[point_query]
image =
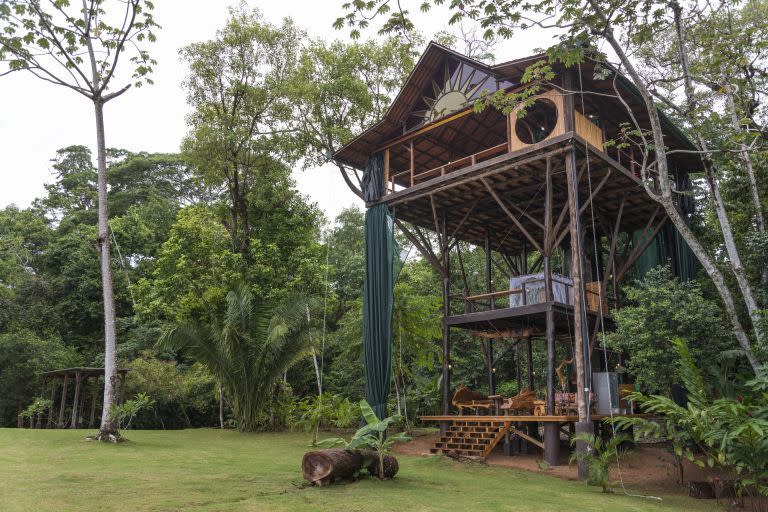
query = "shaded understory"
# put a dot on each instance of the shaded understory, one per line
(222, 471)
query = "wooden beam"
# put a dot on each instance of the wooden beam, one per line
(595, 192)
(440, 240)
(563, 214)
(509, 214)
(528, 438)
(60, 423)
(386, 172)
(413, 159)
(424, 252)
(548, 209)
(508, 333)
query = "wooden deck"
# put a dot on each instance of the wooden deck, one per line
(526, 418)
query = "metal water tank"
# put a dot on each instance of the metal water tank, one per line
(606, 388)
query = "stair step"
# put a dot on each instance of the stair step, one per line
(465, 453)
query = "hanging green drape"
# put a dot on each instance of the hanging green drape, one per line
(659, 252)
(381, 267)
(378, 300)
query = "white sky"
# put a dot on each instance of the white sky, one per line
(37, 118)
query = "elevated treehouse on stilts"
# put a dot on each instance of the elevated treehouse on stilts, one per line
(523, 188)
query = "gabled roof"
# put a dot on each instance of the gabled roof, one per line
(356, 151)
(393, 124)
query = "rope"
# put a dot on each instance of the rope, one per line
(600, 302)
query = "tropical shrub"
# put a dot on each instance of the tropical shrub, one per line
(123, 414)
(38, 407)
(729, 433)
(373, 435)
(658, 309)
(599, 456)
(248, 350)
(325, 411)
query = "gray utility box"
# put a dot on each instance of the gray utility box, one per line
(606, 388)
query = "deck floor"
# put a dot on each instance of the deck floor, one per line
(526, 418)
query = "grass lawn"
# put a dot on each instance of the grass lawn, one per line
(57, 470)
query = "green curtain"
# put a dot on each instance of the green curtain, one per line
(381, 267)
(659, 252)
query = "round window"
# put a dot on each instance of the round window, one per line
(539, 121)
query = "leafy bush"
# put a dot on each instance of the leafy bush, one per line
(184, 395)
(659, 309)
(598, 457)
(325, 411)
(38, 407)
(730, 433)
(122, 415)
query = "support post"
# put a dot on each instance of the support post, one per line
(76, 400)
(581, 342)
(94, 397)
(551, 430)
(54, 381)
(60, 423)
(446, 314)
(489, 289)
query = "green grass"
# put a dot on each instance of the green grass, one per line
(194, 470)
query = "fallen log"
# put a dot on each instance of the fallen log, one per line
(322, 467)
(391, 466)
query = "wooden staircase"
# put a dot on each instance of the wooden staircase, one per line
(471, 438)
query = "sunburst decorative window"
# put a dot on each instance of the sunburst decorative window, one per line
(454, 91)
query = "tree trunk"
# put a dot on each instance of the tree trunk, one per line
(665, 197)
(325, 466)
(108, 295)
(221, 408)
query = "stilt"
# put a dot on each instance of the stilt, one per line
(489, 289)
(54, 384)
(60, 423)
(94, 397)
(76, 400)
(446, 329)
(551, 430)
(581, 351)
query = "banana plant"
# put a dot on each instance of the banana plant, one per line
(372, 435)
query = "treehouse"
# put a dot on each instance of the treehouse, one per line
(559, 208)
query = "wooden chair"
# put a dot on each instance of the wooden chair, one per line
(522, 403)
(465, 398)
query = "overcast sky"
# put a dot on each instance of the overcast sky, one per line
(37, 118)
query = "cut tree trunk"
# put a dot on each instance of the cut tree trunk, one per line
(323, 467)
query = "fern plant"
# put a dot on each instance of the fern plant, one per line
(599, 456)
(730, 433)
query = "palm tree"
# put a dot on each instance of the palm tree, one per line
(248, 350)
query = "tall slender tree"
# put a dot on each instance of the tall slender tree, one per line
(239, 125)
(78, 46)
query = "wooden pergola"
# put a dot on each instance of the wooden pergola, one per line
(84, 380)
(520, 187)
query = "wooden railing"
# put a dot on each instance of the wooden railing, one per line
(469, 160)
(591, 291)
